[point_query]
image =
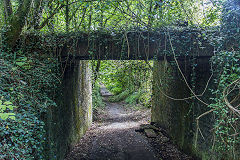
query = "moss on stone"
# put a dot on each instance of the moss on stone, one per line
(178, 117)
(73, 116)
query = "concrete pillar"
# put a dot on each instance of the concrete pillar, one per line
(167, 110)
(178, 117)
(75, 112)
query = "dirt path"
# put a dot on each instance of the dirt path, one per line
(113, 137)
(118, 140)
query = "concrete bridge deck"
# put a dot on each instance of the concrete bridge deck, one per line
(137, 45)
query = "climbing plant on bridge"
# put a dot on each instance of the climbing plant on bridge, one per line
(70, 15)
(29, 77)
(226, 68)
(226, 106)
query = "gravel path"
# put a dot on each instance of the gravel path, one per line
(113, 137)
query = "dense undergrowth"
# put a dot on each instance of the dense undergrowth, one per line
(226, 102)
(129, 81)
(97, 100)
(29, 80)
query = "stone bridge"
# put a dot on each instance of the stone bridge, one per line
(181, 61)
(137, 45)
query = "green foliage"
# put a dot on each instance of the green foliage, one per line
(115, 89)
(127, 80)
(145, 98)
(112, 76)
(227, 67)
(27, 81)
(120, 97)
(6, 109)
(29, 77)
(64, 16)
(23, 63)
(140, 97)
(230, 25)
(96, 98)
(95, 15)
(133, 98)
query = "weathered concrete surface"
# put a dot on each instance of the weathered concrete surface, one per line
(137, 45)
(177, 113)
(74, 115)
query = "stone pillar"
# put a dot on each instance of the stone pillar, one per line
(178, 117)
(75, 112)
(167, 110)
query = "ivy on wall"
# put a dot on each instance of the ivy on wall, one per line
(29, 79)
(226, 101)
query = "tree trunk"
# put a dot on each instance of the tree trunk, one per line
(7, 9)
(16, 22)
(37, 13)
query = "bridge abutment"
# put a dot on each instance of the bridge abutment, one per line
(175, 108)
(75, 114)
